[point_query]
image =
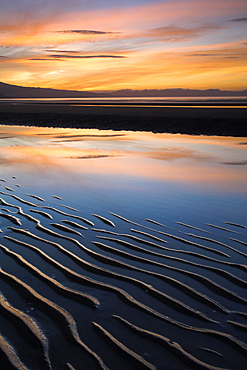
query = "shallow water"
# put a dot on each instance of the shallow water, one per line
(166, 255)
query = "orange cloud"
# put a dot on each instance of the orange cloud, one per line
(223, 68)
(175, 33)
(160, 45)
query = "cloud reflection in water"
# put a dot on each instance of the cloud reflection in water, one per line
(161, 157)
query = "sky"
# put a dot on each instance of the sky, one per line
(109, 45)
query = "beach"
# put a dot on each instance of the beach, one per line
(120, 249)
(184, 118)
(123, 197)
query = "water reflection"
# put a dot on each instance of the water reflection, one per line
(212, 161)
(189, 273)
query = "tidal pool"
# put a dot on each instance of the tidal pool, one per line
(126, 249)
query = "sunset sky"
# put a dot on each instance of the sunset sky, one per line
(124, 44)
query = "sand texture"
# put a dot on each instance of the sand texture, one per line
(221, 121)
(104, 298)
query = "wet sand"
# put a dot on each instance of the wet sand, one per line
(183, 301)
(195, 120)
(122, 270)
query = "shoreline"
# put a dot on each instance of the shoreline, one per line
(215, 121)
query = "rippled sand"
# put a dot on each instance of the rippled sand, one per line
(79, 293)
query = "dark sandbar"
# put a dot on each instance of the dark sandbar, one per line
(212, 120)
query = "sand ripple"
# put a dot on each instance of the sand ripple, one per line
(142, 298)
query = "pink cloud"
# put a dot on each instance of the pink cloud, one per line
(165, 13)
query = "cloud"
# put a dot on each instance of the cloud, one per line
(87, 136)
(235, 163)
(87, 37)
(207, 54)
(63, 57)
(88, 32)
(175, 33)
(222, 51)
(92, 156)
(176, 153)
(214, 55)
(72, 138)
(62, 51)
(44, 59)
(57, 56)
(244, 19)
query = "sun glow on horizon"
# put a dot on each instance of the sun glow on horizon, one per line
(131, 45)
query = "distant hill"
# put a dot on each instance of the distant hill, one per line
(13, 91)
(177, 93)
